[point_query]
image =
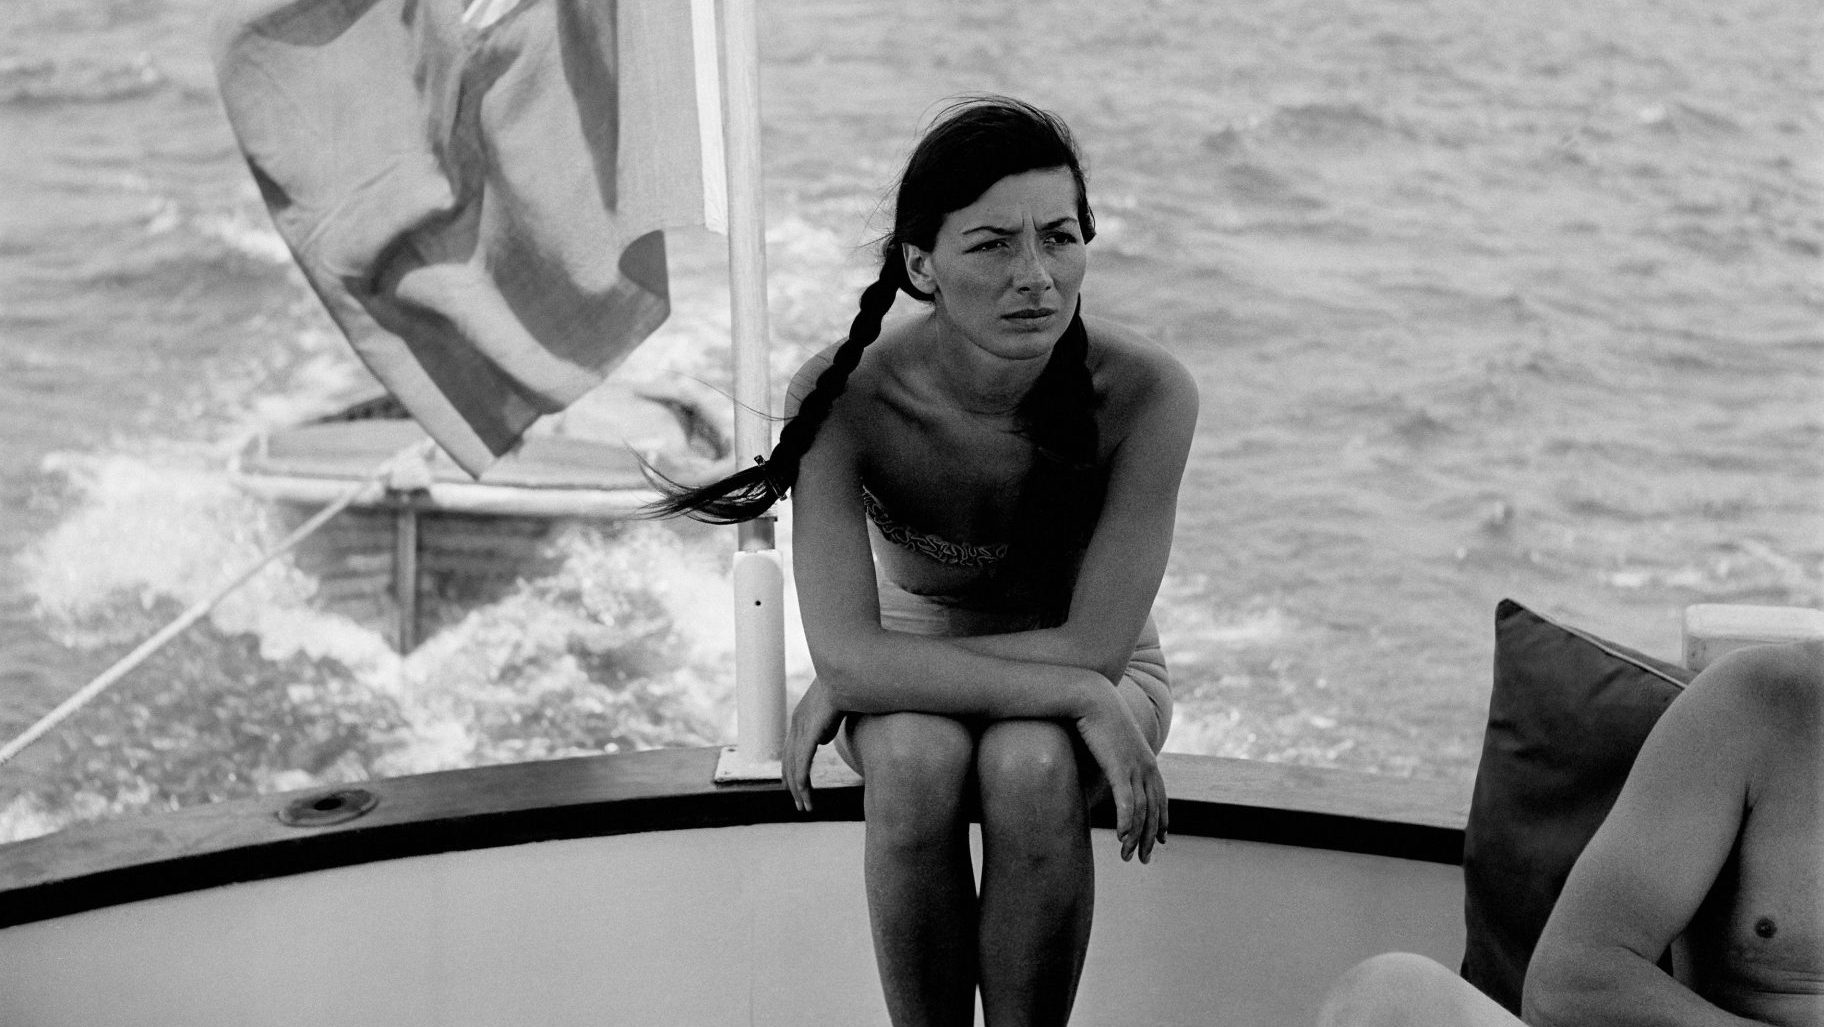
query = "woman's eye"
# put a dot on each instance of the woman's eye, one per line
(1050, 239)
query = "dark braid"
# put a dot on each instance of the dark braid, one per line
(750, 492)
(796, 437)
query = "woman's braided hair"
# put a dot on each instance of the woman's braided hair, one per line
(973, 144)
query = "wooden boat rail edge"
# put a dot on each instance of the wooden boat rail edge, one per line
(548, 502)
(91, 866)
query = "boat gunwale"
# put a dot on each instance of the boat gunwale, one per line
(134, 858)
(532, 501)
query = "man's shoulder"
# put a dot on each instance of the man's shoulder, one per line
(1756, 697)
(1779, 684)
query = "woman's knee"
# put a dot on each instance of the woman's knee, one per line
(1394, 988)
(1030, 775)
(914, 766)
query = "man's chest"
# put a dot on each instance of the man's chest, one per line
(1762, 928)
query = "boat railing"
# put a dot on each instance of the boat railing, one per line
(1711, 630)
(659, 877)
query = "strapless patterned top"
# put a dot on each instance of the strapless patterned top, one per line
(944, 551)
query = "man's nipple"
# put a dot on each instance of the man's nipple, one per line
(1765, 927)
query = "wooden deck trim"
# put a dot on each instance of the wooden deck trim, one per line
(91, 866)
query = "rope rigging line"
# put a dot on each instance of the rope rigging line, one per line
(417, 450)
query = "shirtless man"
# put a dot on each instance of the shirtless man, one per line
(1717, 836)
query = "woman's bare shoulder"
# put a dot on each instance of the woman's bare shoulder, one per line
(868, 382)
(805, 378)
(1131, 368)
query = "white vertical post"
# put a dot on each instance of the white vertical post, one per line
(405, 570)
(759, 579)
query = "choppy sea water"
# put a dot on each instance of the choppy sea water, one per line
(1485, 300)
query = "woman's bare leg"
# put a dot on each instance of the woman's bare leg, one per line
(920, 883)
(1038, 874)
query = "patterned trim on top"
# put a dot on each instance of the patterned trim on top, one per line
(944, 551)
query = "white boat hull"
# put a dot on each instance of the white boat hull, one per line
(667, 922)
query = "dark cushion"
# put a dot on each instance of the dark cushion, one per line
(1568, 714)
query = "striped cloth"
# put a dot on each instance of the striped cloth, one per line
(477, 200)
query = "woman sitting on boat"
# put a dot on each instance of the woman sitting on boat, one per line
(983, 505)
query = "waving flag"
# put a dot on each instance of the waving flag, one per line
(477, 196)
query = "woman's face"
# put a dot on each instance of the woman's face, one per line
(1005, 270)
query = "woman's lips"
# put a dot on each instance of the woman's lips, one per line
(1034, 318)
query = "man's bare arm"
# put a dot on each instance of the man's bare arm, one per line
(1651, 864)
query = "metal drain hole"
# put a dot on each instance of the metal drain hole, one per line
(326, 808)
